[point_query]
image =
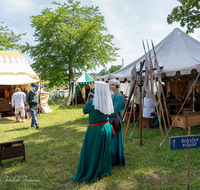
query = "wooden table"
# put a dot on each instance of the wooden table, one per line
(185, 121)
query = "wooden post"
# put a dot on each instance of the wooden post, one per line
(132, 107)
(176, 94)
(72, 100)
(166, 110)
(188, 160)
(140, 116)
(76, 98)
(140, 85)
(133, 102)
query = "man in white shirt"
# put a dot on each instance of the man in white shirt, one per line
(18, 101)
(149, 110)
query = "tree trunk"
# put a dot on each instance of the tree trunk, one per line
(70, 74)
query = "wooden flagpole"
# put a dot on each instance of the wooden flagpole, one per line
(152, 87)
(161, 90)
(132, 107)
(159, 118)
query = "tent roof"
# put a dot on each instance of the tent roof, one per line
(16, 79)
(14, 65)
(85, 77)
(176, 52)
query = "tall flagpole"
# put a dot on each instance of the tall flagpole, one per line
(166, 110)
(159, 118)
(159, 92)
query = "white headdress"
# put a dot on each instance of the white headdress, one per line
(102, 98)
(114, 81)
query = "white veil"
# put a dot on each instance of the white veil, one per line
(102, 98)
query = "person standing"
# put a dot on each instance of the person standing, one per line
(32, 101)
(117, 144)
(18, 101)
(95, 157)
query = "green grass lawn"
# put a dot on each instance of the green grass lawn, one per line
(52, 154)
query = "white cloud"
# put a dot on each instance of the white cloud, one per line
(120, 18)
(17, 6)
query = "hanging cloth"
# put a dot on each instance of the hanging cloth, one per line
(102, 98)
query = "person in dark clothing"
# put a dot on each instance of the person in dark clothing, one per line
(32, 101)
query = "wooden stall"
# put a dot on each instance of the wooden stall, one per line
(5, 105)
(185, 121)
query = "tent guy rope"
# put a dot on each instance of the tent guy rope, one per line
(193, 85)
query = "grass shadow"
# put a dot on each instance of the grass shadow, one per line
(19, 129)
(50, 151)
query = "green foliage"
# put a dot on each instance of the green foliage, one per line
(114, 68)
(69, 37)
(52, 155)
(94, 74)
(187, 14)
(103, 72)
(8, 39)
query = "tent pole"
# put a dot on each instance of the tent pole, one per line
(76, 98)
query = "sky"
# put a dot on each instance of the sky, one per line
(129, 21)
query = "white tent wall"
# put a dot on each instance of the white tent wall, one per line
(124, 87)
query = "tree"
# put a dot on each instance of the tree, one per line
(187, 14)
(103, 72)
(114, 68)
(8, 39)
(69, 38)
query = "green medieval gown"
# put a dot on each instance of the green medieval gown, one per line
(117, 144)
(95, 157)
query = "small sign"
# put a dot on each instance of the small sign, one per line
(182, 142)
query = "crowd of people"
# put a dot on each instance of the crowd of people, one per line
(103, 145)
(30, 101)
(100, 152)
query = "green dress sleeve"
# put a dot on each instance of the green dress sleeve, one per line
(88, 107)
(118, 104)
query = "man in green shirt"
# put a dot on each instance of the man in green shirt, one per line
(32, 101)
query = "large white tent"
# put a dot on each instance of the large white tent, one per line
(14, 69)
(176, 52)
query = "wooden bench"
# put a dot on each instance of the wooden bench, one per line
(185, 121)
(147, 122)
(12, 150)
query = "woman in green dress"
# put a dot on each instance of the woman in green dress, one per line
(117, 144)
(95, 157)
